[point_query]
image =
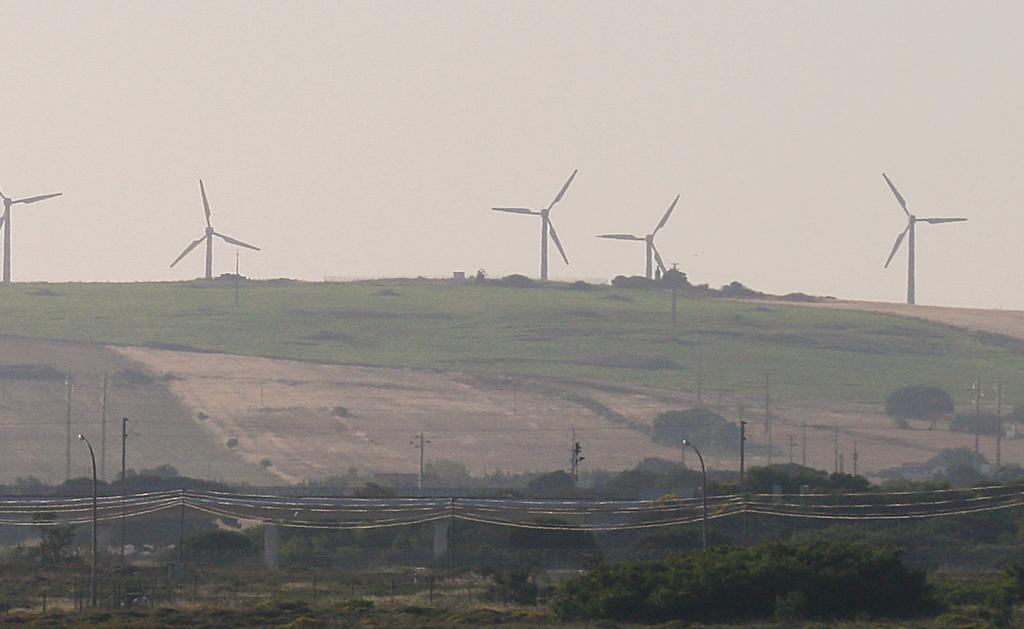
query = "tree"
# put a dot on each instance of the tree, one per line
(918, 402)
(706, 428)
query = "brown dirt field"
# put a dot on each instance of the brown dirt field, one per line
(489, 422)
(33, 416)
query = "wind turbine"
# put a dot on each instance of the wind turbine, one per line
(546, 226)
(5, 222)
(652, 251)
(909, 229)
(208, 237)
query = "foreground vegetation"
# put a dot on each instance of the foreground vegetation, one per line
(598, 333)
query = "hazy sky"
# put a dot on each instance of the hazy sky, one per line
(370, 139)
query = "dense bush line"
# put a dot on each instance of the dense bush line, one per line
(812, 580)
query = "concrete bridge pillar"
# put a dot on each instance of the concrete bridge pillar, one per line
(271, 541)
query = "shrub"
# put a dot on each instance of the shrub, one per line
(707, 429)
(814, 580)
(918, 402)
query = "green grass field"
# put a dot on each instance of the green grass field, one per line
(608, 335)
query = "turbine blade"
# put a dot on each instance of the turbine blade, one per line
(558, 243)
(514, 210)
(206, 204)
(41, 197)
(234, 241)
(936, 221)
(899, 239)
(899, 197)
(657, 258)
(3, 219)
(561, 192)
(664, 219)
(187, 250)
(621, 237)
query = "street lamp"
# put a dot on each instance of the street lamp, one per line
(92, 567)
(703, 493)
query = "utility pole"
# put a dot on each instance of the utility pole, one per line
(67, 436)
(743, 475)
(855, 458)
(576, 452)
(422, 448)
(768, 412)
(803, 455)
(743, 443)
(103, 431)
(791, 444)
(999, 422)
(977, 413)
(124, 479)
(835, 446)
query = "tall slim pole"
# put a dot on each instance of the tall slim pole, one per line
(67, 432)
(792, 443)
(649, 272)
(910, 263)
(768, 412)
(7, 242)
(999, 422)
(420, 443)
(103, 431)
(977, 413)
(543, 244)
(856, 458)
(743, 446)
(803, 455)
(92, 565)
(209, 255)
(743, 474)
(124, 479)
(572, 456)
(704, 495)
(835, 447)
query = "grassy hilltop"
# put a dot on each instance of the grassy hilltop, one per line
(603, 334)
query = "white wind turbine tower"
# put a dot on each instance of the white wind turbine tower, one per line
(208, 237)
(545, 228)
(909, 230)
(652, 251)
(5, 222)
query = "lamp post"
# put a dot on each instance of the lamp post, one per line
(703, 493)
(92, 567)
